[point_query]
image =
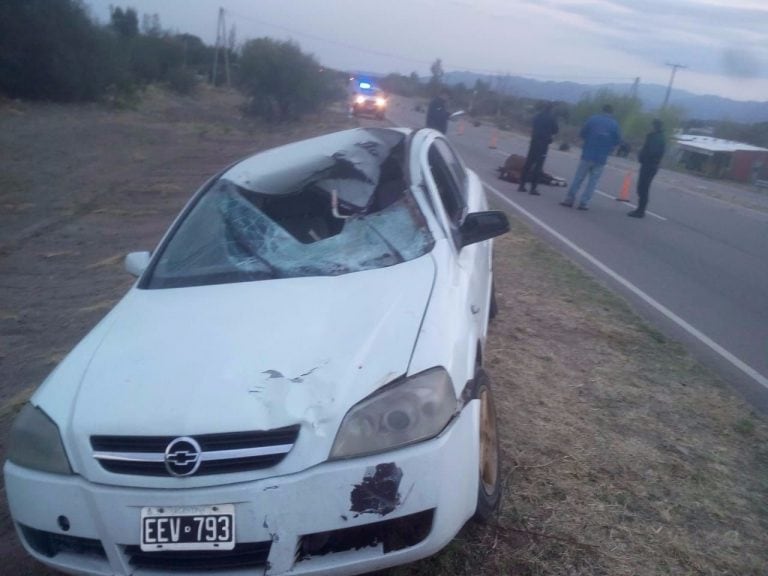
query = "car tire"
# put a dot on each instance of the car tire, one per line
(493, 308)
(489, 484)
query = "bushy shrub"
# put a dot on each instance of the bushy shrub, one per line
(182, 81)
(49, 49)
(283, 82)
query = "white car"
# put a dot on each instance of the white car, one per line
(293, 386)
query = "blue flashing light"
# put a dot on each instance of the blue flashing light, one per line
(365, 85)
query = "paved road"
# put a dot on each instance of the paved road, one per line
(697, 267)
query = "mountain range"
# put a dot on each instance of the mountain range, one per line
(696, 106)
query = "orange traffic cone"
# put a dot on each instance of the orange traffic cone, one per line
(624, 194)
(494, 139)
(461, 127)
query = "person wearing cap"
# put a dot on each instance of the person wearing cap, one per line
(601, 135)
(650, 157)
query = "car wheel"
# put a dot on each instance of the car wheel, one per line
(489, 486)
(493, 308)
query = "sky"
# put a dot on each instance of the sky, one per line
(722, 44)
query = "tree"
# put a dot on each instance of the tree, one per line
(283, 82)
(436, 81)
(399, 84)
(50, 49)
(150, 25)
(125, 22)
(634, 122)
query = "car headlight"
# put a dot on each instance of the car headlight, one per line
(35, 443)
(407, 411)
(380, 102)
(360, 99)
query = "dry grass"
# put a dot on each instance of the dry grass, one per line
(622, 456)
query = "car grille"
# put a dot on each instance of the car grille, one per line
(244, 555)
(219, 453)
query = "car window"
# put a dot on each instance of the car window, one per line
(448, 187)
(455, 165)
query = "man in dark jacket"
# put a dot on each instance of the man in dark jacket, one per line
(437, 113)
(650, 158)
(544, 128)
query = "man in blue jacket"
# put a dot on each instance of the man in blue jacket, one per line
(601, 135)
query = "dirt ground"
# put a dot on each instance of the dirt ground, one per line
(621, 455)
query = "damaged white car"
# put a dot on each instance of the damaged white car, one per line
(293, 386)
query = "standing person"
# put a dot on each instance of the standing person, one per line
(650, 157)
(544, 128)
(437, 113)
(601, 135)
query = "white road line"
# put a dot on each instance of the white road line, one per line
(701, 337)
(630, 204)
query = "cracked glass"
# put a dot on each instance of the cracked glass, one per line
(346, 209)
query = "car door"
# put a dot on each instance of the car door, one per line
(453, 189)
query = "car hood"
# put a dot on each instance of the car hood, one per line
(247, 356)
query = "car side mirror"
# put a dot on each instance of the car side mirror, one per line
(480, 226)
(457, 114)
(136, 263)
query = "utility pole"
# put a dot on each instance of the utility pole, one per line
(221, 44)
(635, 87)
(671, 81)
(501, 87)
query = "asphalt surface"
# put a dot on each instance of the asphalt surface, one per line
(696, 267)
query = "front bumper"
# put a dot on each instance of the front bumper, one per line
(311, 522)
(369, 108)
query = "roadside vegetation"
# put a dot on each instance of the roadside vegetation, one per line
(53, 50)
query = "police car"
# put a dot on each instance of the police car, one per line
(368, 100)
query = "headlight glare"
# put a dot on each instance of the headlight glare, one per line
(360, 99)
(410, 410)
(35, 443)
(380, 102)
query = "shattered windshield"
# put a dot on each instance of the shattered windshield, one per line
(346, 210)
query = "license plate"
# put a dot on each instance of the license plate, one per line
(188, 528)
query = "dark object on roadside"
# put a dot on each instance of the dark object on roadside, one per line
(437, 113)
(564, 147)
(476, 123)
(418, 108)
(623, 149)
(513, 167)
